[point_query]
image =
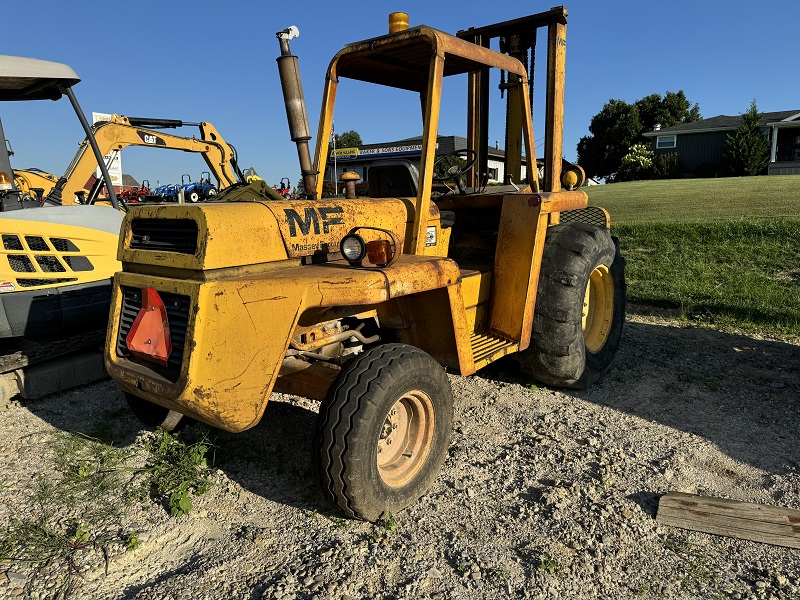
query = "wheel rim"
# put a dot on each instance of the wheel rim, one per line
(598, 308)
(405, 438)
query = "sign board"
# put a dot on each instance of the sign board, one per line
(411, 148)
(345, 152)
(113, 159)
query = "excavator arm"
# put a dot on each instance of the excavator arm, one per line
(121, 132)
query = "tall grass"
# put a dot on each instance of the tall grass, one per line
(744, 274)
(721, 251)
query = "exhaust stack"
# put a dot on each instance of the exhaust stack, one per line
(295, 104)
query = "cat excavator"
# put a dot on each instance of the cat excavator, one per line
(120, 132)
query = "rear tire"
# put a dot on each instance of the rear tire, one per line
(383, 431)
(580, 307)
(211, 192)
(154, 415)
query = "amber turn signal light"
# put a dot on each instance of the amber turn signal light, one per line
(380, 252)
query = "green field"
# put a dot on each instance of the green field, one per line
(724, 252)
(691, 200)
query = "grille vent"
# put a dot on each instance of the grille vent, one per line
(36, 243)
(21, 263)
(49, 264)
(11, 242)
(164, 235)
(40, 282)
(64, 245)
(44, 255)
(591, 215)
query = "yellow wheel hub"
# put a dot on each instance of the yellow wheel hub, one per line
(405, 438)
(598, 308)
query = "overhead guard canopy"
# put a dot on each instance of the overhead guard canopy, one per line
(401, 59)
(33, 79)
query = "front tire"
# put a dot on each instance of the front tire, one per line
(192, 197)
(383, 431)
(580, 307)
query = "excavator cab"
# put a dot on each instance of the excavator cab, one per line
(56, 261)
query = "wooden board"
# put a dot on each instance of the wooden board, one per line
(775, 525)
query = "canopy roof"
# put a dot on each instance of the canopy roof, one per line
(403, 59)
(33, 79)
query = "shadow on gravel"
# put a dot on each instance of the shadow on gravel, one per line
(98, 410)
(272, 460)
(740, 393)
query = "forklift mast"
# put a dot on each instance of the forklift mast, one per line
(518, 37)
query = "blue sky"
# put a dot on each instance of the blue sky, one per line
(211, 61)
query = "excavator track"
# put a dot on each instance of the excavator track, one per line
(28, 352)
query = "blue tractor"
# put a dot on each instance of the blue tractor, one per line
(194, 191)
(167, 192)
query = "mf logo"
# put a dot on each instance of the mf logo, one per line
(328, 215)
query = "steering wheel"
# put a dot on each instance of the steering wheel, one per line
(451, 168)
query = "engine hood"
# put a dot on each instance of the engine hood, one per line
(231, 234)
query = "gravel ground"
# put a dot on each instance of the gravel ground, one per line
(545, 493)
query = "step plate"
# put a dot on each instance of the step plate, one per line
(488, 347)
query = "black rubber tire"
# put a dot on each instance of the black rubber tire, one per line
(350, 425)
(211, 192)
(558, 355)
(192, 197)
(154, 415)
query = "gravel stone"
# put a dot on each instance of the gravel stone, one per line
(545, 493)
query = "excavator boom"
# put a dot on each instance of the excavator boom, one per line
(121, 132)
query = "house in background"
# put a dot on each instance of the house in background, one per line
(359, 159)
(700, 144)
(389, 154)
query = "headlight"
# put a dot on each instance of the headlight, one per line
(353, 248)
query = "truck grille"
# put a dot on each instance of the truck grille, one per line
(164, 235)
(178, 315)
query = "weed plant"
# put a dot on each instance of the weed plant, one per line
(82, 508)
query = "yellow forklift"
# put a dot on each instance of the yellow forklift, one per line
(366, 303)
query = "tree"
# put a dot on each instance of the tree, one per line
(348, 139)
(619, 126)
(673, 109)
(747, 149)
(614, 130)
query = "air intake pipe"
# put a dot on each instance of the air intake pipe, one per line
(295, 104)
